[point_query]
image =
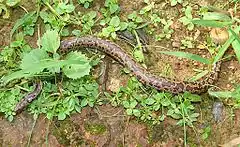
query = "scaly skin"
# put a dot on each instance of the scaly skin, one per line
(23, 103)
(160, 83)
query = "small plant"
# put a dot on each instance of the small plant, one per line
(187, 43)
(187, 19)
(114, 26)
(88, 21)
(166, 31)
(86, 3)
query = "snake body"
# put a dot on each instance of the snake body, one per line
(147, 78)
(24, 102)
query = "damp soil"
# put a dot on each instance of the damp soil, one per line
(104, 126)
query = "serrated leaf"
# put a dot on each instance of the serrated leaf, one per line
(77, 70)
(50, 41)
(33, 58)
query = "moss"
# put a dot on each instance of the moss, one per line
(95, 128)
(67, 133)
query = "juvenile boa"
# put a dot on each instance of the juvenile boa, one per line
(160, 83)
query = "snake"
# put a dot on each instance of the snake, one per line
(24, 102)
(158, 82)
(120, 55)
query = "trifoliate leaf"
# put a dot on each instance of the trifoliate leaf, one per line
(50, 41)
(75, 71)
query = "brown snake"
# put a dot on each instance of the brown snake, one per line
(160, 83)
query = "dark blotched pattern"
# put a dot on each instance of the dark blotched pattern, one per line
(160, 83)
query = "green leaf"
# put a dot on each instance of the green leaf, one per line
(216, 16)
(138, 54)
(188, 12)
(115, 21)
(150, 101)
(61, 116)
(21, 21)
(220, 94)
(133, 104)
(212, 23)
(123, 26)
(173, 2)
(12, 3)
(114, 8)
(39, 66)
(50, 41)
(77, 70)
(223, 49)
(236, 44)
(129, 111)
(34, 57)
(188, 56)
(199, 75)
(136, 112)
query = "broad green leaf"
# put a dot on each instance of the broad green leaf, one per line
(136, 112)
(129, 111)
(61, 116)
(37, 67)
(188, 56)
(133, 104)
(115, 21)
(150, 101)
(114, 8)
(77, 70)
(212, 23)
(33, 58)
(21, 21)
(50, 41)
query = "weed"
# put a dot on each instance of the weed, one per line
(187, 19)
(86, 3)
(187, 43)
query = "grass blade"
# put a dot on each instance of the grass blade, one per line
(188, 56)
(220, 94)
(236, 44)
(212, 23)
(223, 49)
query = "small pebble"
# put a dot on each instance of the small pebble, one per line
(217, 111)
